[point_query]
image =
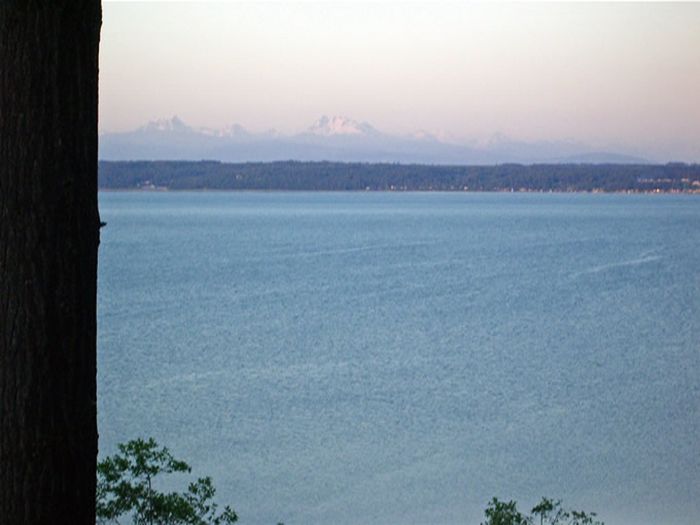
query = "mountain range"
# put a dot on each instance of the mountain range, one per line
(338, 139)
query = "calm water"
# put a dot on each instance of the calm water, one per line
(402, 358)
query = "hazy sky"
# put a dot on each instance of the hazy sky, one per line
(623, 75)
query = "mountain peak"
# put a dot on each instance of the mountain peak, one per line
(337, 138)
(339, 125)
(435, 136)
(233, 131)
(166, 124)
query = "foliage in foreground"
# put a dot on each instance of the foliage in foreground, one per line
(125, 488)
(546, 512)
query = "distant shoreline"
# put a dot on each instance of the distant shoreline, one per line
(493, 192)
(157, 176)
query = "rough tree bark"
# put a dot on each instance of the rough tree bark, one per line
(49, 233)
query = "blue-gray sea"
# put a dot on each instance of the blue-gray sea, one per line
(400, 358)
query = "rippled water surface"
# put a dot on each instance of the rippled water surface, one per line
(380, 358)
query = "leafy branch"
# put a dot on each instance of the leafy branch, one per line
(125, 487)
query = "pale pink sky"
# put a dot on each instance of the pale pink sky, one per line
(624, 74)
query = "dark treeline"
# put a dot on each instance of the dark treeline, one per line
(337, 176)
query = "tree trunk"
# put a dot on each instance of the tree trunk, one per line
(49, 233)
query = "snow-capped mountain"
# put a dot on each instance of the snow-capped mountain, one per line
(165, 125)
(337, 125)
(335, 138)
(435, 136)
(234, 130)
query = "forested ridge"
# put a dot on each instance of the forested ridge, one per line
(339, 176)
